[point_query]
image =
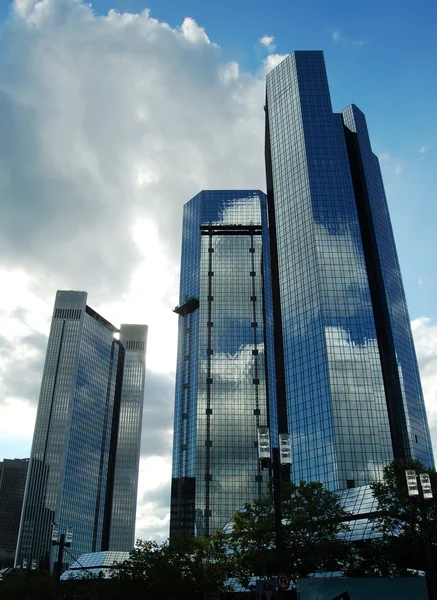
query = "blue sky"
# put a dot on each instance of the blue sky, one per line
(111, 123)
(381, 56)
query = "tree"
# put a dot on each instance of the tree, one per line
(400, 521)
(35, 585)
(184, 569)
(313, 522)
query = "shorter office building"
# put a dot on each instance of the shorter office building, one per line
(12, 484)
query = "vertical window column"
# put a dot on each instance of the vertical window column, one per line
(185, 395)
(209, 352)
(253, 300)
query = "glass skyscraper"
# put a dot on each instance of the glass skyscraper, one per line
(133, 339)
(349, 393)
(220, 381)
(293, 315)
(85, 450)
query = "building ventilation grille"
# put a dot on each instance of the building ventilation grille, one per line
(67, 313)
(131, 345)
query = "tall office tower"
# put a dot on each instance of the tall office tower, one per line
(220, 379)
(348, 384)
(133, 339)
(12, 482)
(88, 411)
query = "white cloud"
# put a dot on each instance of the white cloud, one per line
(339, 37)
(109, 125)
(391, 164)
(153, 498)
(425, 339)
(271, 62)
(193, 32)
(268, 42)
(229, 72)
(422, 149)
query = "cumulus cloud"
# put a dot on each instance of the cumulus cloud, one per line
(425, 339)
(153, 512)
(109, 125)
(110, 118)
(271, 62)
(268, 42)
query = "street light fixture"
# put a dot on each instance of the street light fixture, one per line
(263, 443)
(422, 490)
(285, 449)
(413, 488)
(425, 483)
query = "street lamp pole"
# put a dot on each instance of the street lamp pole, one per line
(279, 458)
(64, 541)
(422, 490)
(28, 567)
(279, 538)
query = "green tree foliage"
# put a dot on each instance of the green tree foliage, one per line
(185, 569)
(369, 558)
(400, 522)
(312, 523)
(34, 586)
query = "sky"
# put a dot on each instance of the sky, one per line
(112, 116)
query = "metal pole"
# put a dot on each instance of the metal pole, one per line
(26, 583)
(430, 572)
(279, 539)
(58, 570)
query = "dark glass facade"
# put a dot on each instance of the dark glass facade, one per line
(221, 396)
(353, 397)
(12, 483)
(71, 479)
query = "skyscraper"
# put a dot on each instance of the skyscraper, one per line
(220, 381)
(338, 369)
(133, 339)
(87, 432)
(12, 482)
(350, 392)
